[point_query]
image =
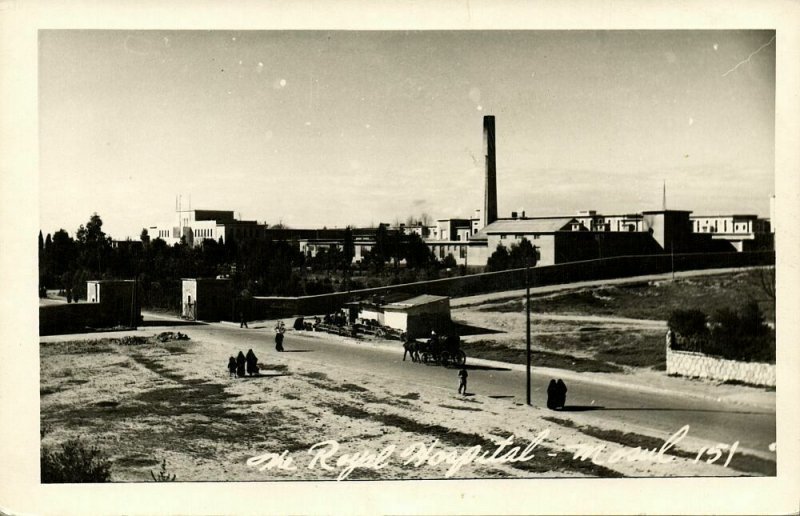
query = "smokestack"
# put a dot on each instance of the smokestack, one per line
(490, 202)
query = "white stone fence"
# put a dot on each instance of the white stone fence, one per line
(698, 365)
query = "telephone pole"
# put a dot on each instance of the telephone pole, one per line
(528, 330)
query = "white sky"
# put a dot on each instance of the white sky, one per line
(335, 128)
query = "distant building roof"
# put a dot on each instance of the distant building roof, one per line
(735, 216)
(423, 299)
(526, 226)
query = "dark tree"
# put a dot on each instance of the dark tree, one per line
(499, 260)
(522, 255)
(93, 244)
(417, 253)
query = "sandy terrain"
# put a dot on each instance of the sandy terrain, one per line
(144, 403)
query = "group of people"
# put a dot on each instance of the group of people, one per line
(243, 363)
(247, 365)
(556, 394)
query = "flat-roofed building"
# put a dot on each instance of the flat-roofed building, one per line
(743, 232)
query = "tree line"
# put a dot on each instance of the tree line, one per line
(257, 266)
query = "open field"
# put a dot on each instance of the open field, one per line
(654, 299)
(147, 402)
(603, 328)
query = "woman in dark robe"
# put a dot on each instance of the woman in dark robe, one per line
(552, 395)
(232, 367)
(240, 362)
(562, 394)
(252, 362)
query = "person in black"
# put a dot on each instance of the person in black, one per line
(462, 384)
(232, 367)
(279, 341)
(242, 324)
(562, 394)
(240, 362)
(252, 362)
(552, 395)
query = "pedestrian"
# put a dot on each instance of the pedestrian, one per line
(252, 362)
(552, 395)
(69, 296)
(279, 341)
(232, 367)
(240, 362)
(242, 324)
(462, 384)
(562, 394)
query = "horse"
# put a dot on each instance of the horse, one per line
(411, 347)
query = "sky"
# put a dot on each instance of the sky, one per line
(330, 128)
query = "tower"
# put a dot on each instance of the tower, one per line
(490, 200)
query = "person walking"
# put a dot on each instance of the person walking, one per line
(552, 395)
(279, 341)
(242, 324)
(462, 384)
(252, 362)
(562, 394)
(240, 363)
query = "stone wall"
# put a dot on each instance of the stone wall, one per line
(698, 365)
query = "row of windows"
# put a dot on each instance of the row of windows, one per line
(503, 236)
(204, 233)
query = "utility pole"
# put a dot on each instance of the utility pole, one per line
(672, 258)
(528, 330)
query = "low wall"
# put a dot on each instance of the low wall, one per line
(698, 365)
(82, 317)
(606, 268)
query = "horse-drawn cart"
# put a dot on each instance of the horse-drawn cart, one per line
(444, 351)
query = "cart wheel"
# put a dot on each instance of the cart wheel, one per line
(426, 358)
(380, 333)
(461, 358)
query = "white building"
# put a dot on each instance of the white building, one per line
(194, 226)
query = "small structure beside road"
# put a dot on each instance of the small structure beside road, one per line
(207, 299)
(416, 316)
(111, 304)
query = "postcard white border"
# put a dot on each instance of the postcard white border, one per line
(20, 491)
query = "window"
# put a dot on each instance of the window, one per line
(462, 251)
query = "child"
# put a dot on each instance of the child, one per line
(462, 385)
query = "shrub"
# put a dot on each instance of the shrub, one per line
(74, 463)
(163, 475)
(735, 334)
(688, 323)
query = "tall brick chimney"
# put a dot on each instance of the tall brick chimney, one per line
(490, 201)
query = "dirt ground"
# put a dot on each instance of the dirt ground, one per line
(145, 403)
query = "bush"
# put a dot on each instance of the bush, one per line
(74, 463)
(735, 334)
(163, 475)
(688, 323)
